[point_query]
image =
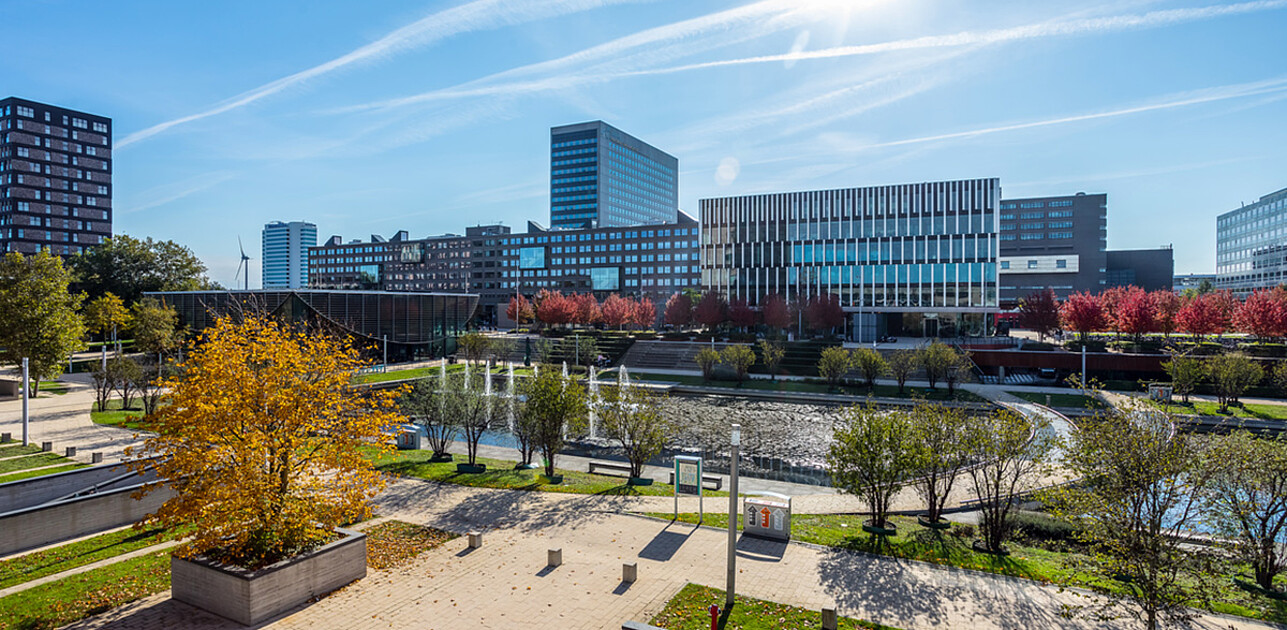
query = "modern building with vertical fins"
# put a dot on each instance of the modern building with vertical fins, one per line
(285, 264)
(602, 177)
(904, 260)
(55, 178)
(1251, 245)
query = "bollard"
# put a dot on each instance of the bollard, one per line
(630, 572)
(5, 438)
(475, 540)
(714, 616)
(554, 557)
(70, 451)
(829, 619)
(47, 447)
(96, 458)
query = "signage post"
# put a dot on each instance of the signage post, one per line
(688, 480)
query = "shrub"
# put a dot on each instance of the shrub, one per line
(1039, 526)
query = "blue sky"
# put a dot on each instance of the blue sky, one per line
(429, 115)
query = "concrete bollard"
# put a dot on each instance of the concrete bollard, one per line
(96, 458)
(829, 620)
(629, 572)
(5, 438)
(554, 557)
(70, 451)
(47, 447)
(475, 540)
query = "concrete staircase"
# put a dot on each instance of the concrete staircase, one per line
(664, 355)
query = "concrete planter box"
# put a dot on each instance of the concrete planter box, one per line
(250, 597)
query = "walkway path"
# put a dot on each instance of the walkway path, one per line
(64, 420)
(18, 588)
(506, 583)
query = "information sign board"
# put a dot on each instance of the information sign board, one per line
(688, 480)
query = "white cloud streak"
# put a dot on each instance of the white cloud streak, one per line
(473, 16)
(167, 193)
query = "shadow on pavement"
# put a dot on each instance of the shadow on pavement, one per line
(663, 546)
(760, 549)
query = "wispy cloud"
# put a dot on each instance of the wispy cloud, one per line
(1211, 95)
(1054, 28)
(167, 193)
(473, 16)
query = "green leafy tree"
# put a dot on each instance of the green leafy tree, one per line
(1186, 373)
(632, 415)
(580, 349)
(1247, 499)
(739, 358)
(1142, 493)
(128, 267)
(473, 345)
(126, 373)
(871, 364)
(1279, 376)
(555, 405)
(771, 354)
(941, 437)
(39, 315)
(155, 326)
(150, 384)
(959, 369)
(543, 351)
(106, 315)
(1011, 455)
(902, 364)
(833, 364)
(706, 359)
(426, 404)
(1232, 374)
(471, 408)
(938, 359)
(871, 457)
(104, 381)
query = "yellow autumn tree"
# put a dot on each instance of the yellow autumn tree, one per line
(263, 441)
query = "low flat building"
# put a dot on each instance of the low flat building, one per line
(1195, 281)
(410, 325)
(1149, 269)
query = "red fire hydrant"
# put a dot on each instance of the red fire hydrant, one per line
(714, 616)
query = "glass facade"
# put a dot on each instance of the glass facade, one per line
(416, 325)
(285, 254)
(919, 248)
(1251, 245)
(603, 177)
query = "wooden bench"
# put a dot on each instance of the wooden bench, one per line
(717, 482)
(616, 466)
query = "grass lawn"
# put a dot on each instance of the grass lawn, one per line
(689, 609)
(16, 448)
(71, 555)
(952, 549)
(396, 543)
(115, 416)
(79, 596)
(1080, 401)
(501, 474)
(52, 387)
(422, 372)
(35, 460)
(28, 474)
(1240, 410)
(813, 387)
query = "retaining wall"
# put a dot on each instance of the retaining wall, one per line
(46, 524)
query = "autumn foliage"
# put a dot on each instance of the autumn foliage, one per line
(263, 441)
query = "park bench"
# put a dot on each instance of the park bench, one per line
(616, 466)
(707, 481)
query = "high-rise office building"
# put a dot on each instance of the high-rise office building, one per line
(55, 178)
(1056, 243)
(601, 176)
(1251, 245)
(905, 260)
(285, 264)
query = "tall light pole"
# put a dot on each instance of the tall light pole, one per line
(735, 442)
(26, 418)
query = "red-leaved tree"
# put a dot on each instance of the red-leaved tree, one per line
(1082, 312)
(643, 313)
(741, 314)
(1039, 312)
(823, 312)
(1109, 300)
(1200, 316)
(1136, 314)
(616, 311)
(1225, 305)
(679, 310)
(1167, 305)
(711, 311)
(1261, 314)
(553, 308)
(776, 313)
(520, 310)
(587, 308)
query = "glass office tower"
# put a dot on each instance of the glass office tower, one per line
(1251, 245)
(285, 264)
(601, 176)
(909, 260)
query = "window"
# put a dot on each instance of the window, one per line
(1032, 264)
(1061, 264)
(1061, 235)
(1005, 264)
(1030, 237)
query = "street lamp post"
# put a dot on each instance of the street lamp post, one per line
(735, 442)
(26, 417)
